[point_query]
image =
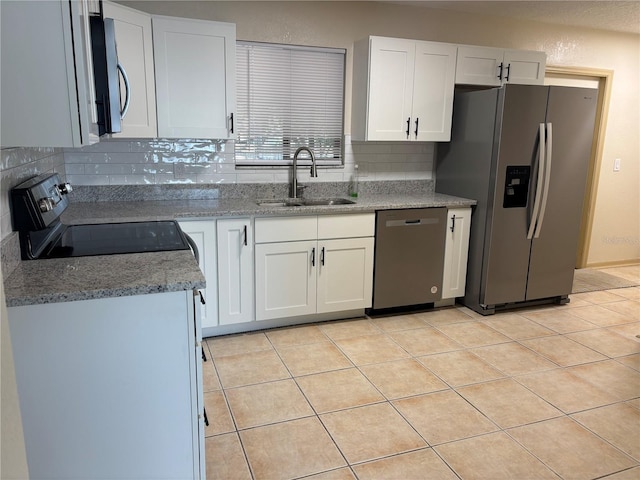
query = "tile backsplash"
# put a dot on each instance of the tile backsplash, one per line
(162, 161)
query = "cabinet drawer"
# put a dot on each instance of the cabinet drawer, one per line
(286, 229)
(345, 226)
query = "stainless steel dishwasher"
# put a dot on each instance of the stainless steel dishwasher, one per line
(409, 257)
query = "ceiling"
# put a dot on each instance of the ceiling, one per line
(612, 15)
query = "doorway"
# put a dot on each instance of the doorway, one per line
(602, 80)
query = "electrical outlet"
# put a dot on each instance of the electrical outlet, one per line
(616, 165)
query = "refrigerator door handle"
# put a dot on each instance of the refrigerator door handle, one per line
(541, 168)
(547, 180)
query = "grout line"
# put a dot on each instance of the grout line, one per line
(412, 357)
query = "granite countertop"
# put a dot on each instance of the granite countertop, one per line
(105, 212)
(82, 278)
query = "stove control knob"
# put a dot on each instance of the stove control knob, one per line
(45, 204)
(64, 188)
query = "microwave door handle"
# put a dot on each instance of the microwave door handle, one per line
(539, 184)
(547, 180)
(127, 91)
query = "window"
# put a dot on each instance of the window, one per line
(288, 97)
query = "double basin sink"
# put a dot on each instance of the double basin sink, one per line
(304, 202)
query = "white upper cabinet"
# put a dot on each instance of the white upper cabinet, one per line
(195, 77)
(524, 67)
(135, 55)
(402, 90)
(47, 87)
(496, 66)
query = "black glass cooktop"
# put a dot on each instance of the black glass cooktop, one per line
(117, 238)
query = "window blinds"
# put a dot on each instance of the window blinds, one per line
(288, 97)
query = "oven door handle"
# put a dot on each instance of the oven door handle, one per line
(194, 247)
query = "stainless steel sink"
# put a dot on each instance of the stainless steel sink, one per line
(280, 202)
(326, 201)
(304, 202)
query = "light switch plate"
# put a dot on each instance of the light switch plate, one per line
(616, 165)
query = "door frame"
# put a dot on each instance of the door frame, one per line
(605, 83)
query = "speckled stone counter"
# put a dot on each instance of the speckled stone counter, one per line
(103, 212)
(84, 278)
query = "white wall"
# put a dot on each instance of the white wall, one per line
(616, 229)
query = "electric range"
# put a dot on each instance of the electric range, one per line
(37, 205)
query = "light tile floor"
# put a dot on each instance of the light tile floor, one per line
(552, 392)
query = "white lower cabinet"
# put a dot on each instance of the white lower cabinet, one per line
(235, 271)
(345, 274)
(111, 387)
(203, 233)
(308, 265)
(456, 252)
(285, 279)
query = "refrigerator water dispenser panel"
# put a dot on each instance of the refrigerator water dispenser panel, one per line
(516, 188)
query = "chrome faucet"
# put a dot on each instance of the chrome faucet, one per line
(294, 179)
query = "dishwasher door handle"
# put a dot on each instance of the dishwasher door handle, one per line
(411, 223)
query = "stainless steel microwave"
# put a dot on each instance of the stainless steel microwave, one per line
(107, 71)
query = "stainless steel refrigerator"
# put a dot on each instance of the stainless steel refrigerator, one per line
(522, 151)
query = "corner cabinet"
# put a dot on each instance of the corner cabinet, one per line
(313, 264)
(47, 87)
(195, 77)
(402, 90)
(235, 271)
(135, 54)
(456, 252)
(496, 66)
(111, 386)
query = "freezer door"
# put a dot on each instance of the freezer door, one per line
(571, 114)
(506, 247)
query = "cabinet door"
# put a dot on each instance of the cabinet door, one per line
(47, 88)
(434, 80)
(235, 271)
(456, 251)
(525, 67)
(195, 77)
(286, 279)
(135, 54)
(345, 274)
(390, 88)
(203, 233)
(119, 395)
(479, 66)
